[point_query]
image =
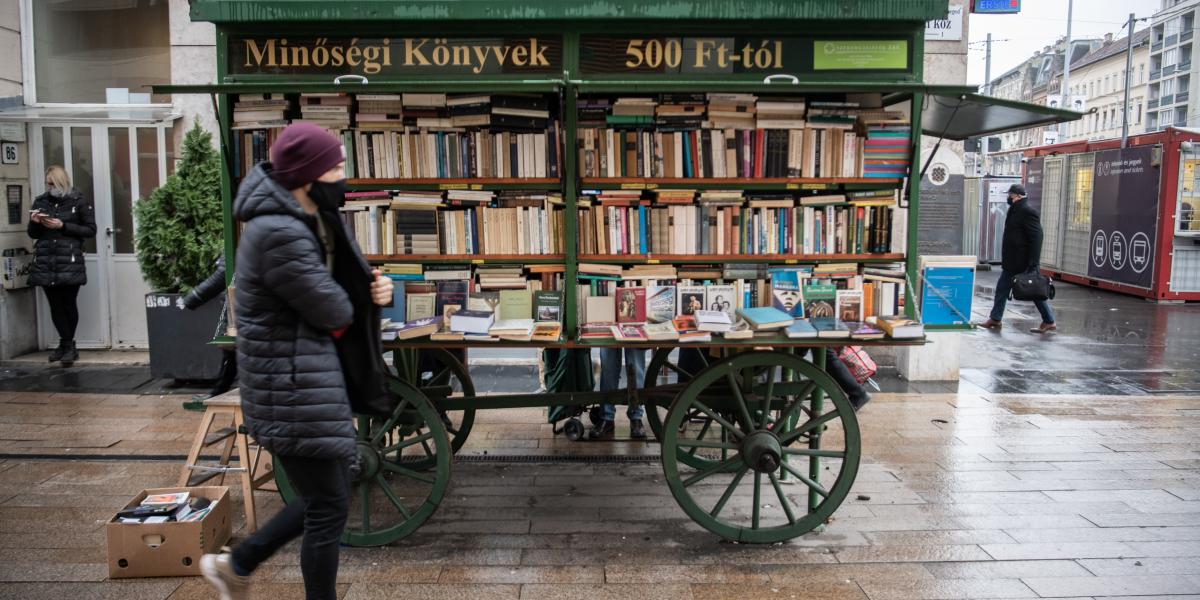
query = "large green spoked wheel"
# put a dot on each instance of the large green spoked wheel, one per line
(777, 430)
(449, 375)
(663, 369)
(390, 498)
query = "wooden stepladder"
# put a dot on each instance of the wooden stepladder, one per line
(252, 464)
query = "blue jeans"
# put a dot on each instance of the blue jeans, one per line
(1003, 287)
(610, 378)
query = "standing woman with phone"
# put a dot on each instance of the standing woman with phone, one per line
(61, 220)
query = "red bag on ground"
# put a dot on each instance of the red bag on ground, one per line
(858, 361)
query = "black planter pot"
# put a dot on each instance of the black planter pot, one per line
(179, 339)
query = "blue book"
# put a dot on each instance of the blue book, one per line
(765, 317)
(395, 311)
(800, 329)
(642, 230)
(785, 291)
(687, 155)
(946, 294)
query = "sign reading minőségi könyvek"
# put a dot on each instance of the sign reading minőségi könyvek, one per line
(602, 54)
(304, 55)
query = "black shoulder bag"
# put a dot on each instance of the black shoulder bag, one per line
(1032, 286)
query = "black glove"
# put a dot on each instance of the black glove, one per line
(191, 301)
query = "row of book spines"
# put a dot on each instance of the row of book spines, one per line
(428, 154)
(719, 153)
(251, 148)
(490, 231)
(683, 230)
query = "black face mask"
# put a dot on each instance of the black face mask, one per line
(1011, 200)
(328, 196)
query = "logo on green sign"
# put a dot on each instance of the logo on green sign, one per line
(860, 55)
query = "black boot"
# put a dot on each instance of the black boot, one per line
(601, 430)
(70, 354)
(57, 353)
(636, 430)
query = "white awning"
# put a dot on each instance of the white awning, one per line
(107, 115)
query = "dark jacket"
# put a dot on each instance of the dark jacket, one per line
(1021, 249)
(288, 304)
(58, 253)
(208, 289)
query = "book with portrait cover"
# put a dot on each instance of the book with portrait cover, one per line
(691, 299)
(721, 298)
(631, 305)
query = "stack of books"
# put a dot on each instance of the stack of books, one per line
(328, 110)
(260, 111)
(382, 112)
(886, 149)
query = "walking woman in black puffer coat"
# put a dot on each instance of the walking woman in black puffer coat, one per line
(61, 220)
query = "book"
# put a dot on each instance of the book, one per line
(721, 298)
(420, 305)
(820, 300)
(660, 304)
(596, 331)
(661, 331)
(864, 331)
(601, 309)
(785, 291)
(741, 330)
(165, 500)
(691, 299)
(631, 305)
(451, 292)
(765, 318)
(830, 327)
(447, 336)
(519, 330)
(800, 329)
(547, 331)
(472, 321)
(684, 323)
(515, 304)
(548, 305)
(900, 328)
(713, 320)
(850, 305)
(629, 332)
(695, 336)
(483, 301)
(419, 328)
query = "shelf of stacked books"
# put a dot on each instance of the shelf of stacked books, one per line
(732, 219)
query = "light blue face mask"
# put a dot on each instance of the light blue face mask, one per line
(57, 193)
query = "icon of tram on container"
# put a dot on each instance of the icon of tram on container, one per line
(1099, 248)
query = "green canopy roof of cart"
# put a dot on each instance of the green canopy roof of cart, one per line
(258, 11)
(960, 116)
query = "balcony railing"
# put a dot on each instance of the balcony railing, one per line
(1168, 70)
(1171, 40)
(1181, 97)
(1167, 99)
(1186, 35)
(1152, 103)
(1181, 123)
(1184, 66)
(1155, 74)
(1156, 46)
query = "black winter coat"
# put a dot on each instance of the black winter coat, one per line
(208, 289)
(1021, 248)
(293, 389)
(58, 253)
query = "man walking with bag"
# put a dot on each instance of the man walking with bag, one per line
(1020, 253)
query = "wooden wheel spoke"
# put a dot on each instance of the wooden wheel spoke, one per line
(697, 443)
(815, 452)
(390, 423)
(420, 439)
(364, 489)
(730, 427)
(728, 492)
(787, 505)
(797, 404)
(679, 370)
(705, 474)
(743, 410)
(765, 408)
(810, 425)
(391, 495)
(814, 486)
(756, 510)
(411, 474)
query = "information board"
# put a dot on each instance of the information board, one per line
(1124, 216)
(717, 55)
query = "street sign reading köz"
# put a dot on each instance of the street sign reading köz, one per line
(996, 7)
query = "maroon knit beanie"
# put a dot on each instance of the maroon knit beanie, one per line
(303, 153)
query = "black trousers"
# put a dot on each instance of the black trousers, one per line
(319, 514)
(64, 311)
(841, 374)
(228, 373)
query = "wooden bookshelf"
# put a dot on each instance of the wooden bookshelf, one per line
(738, 258)
(765, 183)
(491, 183)
(475, 259)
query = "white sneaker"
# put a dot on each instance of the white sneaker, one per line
(218, 570)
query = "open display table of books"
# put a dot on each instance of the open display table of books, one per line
(714, 161)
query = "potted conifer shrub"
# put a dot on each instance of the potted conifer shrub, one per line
(179, 237)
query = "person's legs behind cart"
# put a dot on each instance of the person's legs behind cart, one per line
(610, 379)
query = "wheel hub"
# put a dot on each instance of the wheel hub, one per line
(762, 451)
(369, 462)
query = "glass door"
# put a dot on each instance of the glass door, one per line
(113, 166)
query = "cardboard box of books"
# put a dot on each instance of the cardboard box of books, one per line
(163, 533)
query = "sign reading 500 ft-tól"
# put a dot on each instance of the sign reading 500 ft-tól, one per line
(394, 56)
(601, 54)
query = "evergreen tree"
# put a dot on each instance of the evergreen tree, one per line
(179, 230)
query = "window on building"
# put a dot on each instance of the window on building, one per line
(1139, 114)
(1166, 88)
(1142, 73)
(82, 47)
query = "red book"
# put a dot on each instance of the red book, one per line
(631, 305)
(760, 145)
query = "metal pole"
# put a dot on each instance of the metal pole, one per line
(1066, 80)
(1128, 80)
(987, 91)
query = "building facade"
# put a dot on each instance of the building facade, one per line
(75, 93)
(1172, 80)
(1098, 84)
